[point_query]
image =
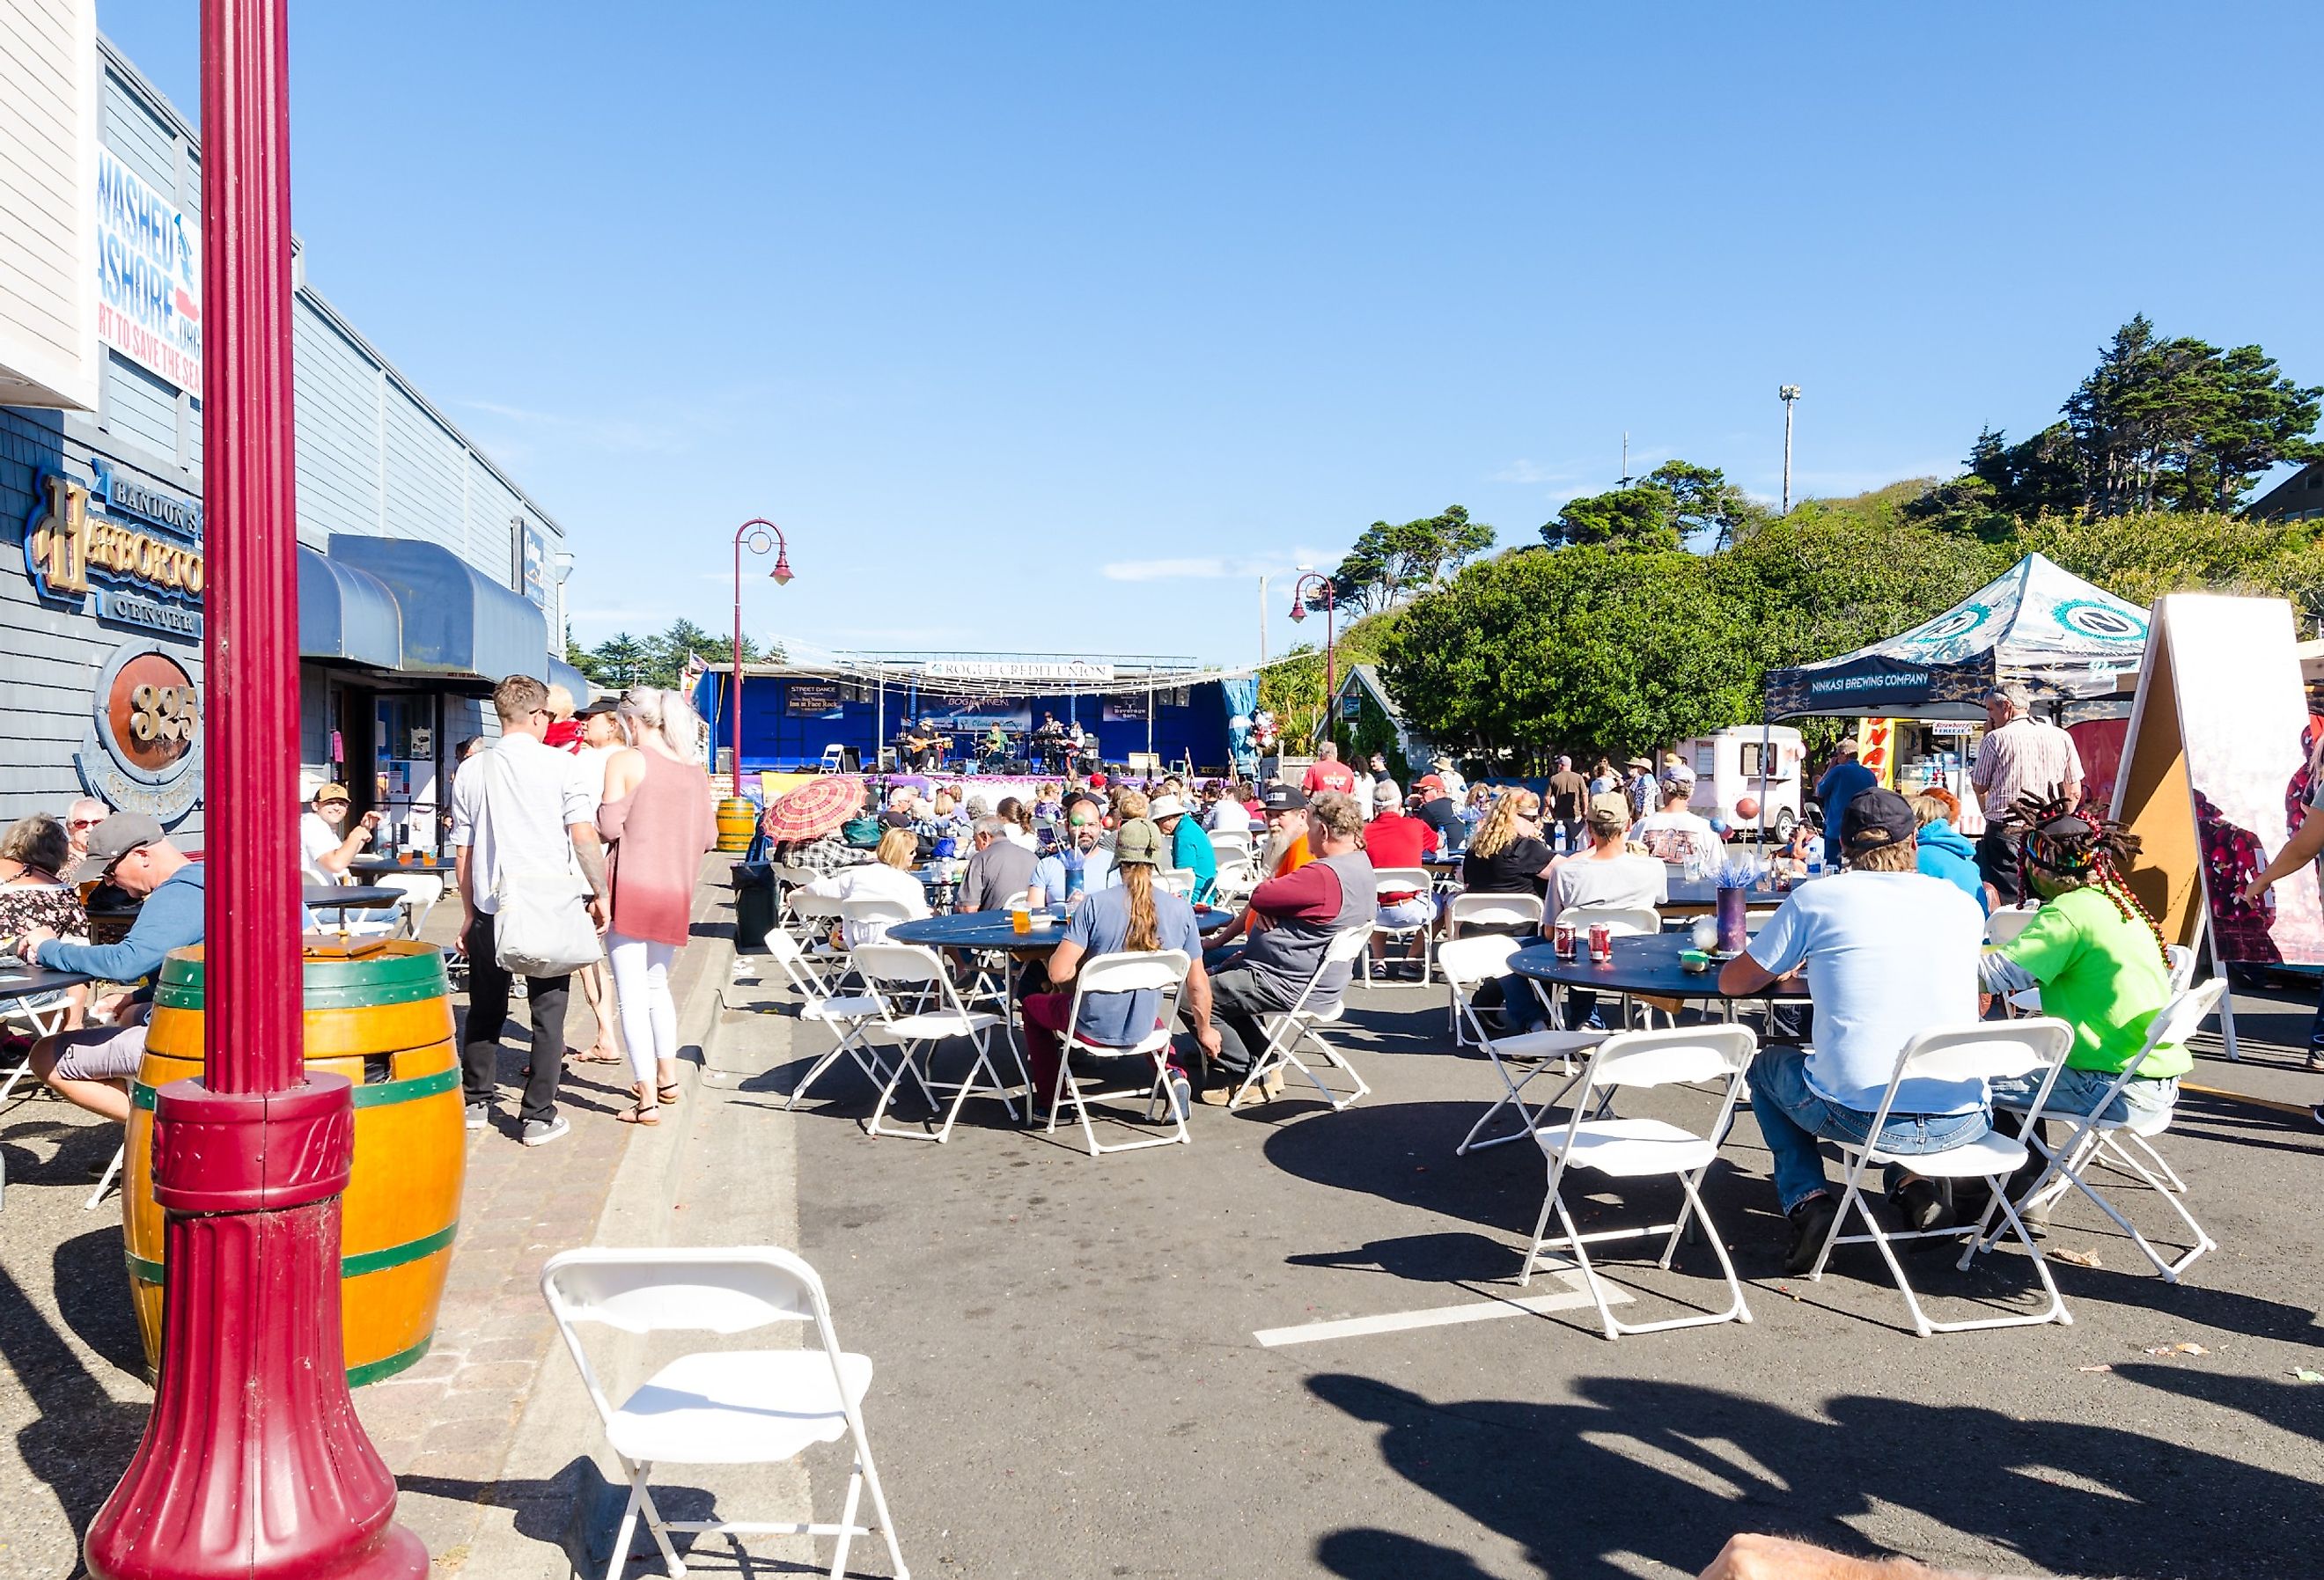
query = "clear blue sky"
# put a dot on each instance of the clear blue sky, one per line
(1054, 327)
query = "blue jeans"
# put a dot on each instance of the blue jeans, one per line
(1793, 1118)
(2079, 1091)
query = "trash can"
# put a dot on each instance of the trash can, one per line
(755, 904)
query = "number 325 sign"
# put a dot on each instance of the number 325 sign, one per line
(143, 747)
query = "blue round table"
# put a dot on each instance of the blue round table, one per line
(991, 929)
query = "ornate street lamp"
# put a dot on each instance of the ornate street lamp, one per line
(253, 1463)
(1299, 612)
(754, 532)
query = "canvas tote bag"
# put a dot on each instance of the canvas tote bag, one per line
(540, 917)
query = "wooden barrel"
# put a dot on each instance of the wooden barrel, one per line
(384, 1021)
(738, 819)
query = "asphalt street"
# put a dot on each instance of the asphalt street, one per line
(1072, 1379)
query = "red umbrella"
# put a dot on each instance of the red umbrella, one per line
(814, 809)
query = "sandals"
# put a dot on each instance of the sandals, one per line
(645, 1113)
(666, 1093)
(579, 1057)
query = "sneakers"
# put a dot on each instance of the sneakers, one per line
(1174, 1098)
(480, 1116)
(1810, 1222)
(1922, 1205)
(539, 1132)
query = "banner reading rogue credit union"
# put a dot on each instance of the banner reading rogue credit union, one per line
(149, 276)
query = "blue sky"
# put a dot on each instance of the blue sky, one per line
(1054, 327)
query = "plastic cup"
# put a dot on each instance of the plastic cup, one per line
(1021, 921)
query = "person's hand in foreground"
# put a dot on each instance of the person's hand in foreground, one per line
(1747, 1556)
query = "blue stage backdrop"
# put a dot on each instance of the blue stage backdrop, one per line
(787, 720)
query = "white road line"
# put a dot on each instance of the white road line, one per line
(1308, 1333)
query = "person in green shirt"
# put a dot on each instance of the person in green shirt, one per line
(1190, 845)
(2100, 962)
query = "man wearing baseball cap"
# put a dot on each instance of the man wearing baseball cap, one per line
(1888, 952)
(89, 1066)
(326, 844)
(1287, 849)
(1441, 812)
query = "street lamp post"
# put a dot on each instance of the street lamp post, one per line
(253, 1463)
(1299, 612)
(1789, 394)
(754, 532)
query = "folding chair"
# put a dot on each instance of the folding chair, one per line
(834, 759)
(26, 1018)
(2008, 922)
(421, 890)
(1979, 1052)
(1630, 1149)
(1404, 881)
(2092, 1139)
(897, 973)
(1232, 845)
(719, 1407)
(1162, 971)
(843, 1013)
(1517, 1059)
(1285, 1029)
(1512, 913)
(1179, 880)
(808, 911)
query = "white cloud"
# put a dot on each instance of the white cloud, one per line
(621, 435)
(1525, 472)
(1217, 568)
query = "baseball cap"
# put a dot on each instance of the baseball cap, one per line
(1429, 781)
(1610, 811)
(1875, 820)
(1165, 807)
(120, 834)
(331, 792)
(609, 703)
(1283, 798)
(1138, 843)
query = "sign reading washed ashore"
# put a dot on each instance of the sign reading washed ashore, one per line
(149, 276)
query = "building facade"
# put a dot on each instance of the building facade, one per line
(425, 572)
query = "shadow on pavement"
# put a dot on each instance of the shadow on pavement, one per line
(1668, 1471)
(83, 1439)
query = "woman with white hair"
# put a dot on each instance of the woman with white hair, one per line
(657, 819)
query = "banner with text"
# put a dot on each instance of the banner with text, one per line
(149, 276)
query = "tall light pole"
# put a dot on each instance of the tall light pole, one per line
(1789, 394)
(1299, 612)
(755, 532)
(1262, 620)
(254, 1463)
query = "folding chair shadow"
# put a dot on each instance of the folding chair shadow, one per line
(719, 1406)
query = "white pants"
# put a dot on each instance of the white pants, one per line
(649, 1014)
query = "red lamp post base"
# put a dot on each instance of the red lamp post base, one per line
(253, 1463)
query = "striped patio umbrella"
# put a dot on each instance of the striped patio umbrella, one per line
(814, 809)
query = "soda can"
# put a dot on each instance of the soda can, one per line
(1561, 939)
(1601, 943)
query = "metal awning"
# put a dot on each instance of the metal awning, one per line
(561, 673)
(456, 621)
(347, 616)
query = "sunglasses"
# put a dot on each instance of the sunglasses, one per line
(79, 822)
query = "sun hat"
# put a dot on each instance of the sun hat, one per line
(1138, 843)
(814, 809)
(1876, 819)
(1639, 762)
(1166, 806)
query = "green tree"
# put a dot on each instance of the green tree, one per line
(1676, 502)
(582, 659)
(1390, 563)
(1705, 507)
(620, 659)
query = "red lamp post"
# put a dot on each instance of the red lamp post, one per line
(754, 532)
(253, 1463)
(1299, 612)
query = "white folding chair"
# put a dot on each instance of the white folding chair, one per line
(1236, 878)
(915, 975)
(1621, 922)
(1287, 1029)
(1162, 971)
(1982, 1052)
(421, 890)
(2008, 922)
(719, 1407)
(1630, 1149)
(843, 1014)
(2182, 966)
(874, 915)
(1390, 880)
(1179, 880)
(1517, 1059)
(810, 913)
(1232, 845)
(1511, 913)
(834, 759)
(2092, 1139)
(27, 1018)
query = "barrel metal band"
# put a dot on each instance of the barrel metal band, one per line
(410, 1089)
(350, 1267)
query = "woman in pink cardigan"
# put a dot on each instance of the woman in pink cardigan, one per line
(657, 819)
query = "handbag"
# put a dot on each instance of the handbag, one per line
(540, 920)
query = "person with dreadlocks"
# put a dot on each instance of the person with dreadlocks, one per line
(1136, 914)
(2097, 958)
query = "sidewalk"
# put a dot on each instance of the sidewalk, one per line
(451, 1427)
